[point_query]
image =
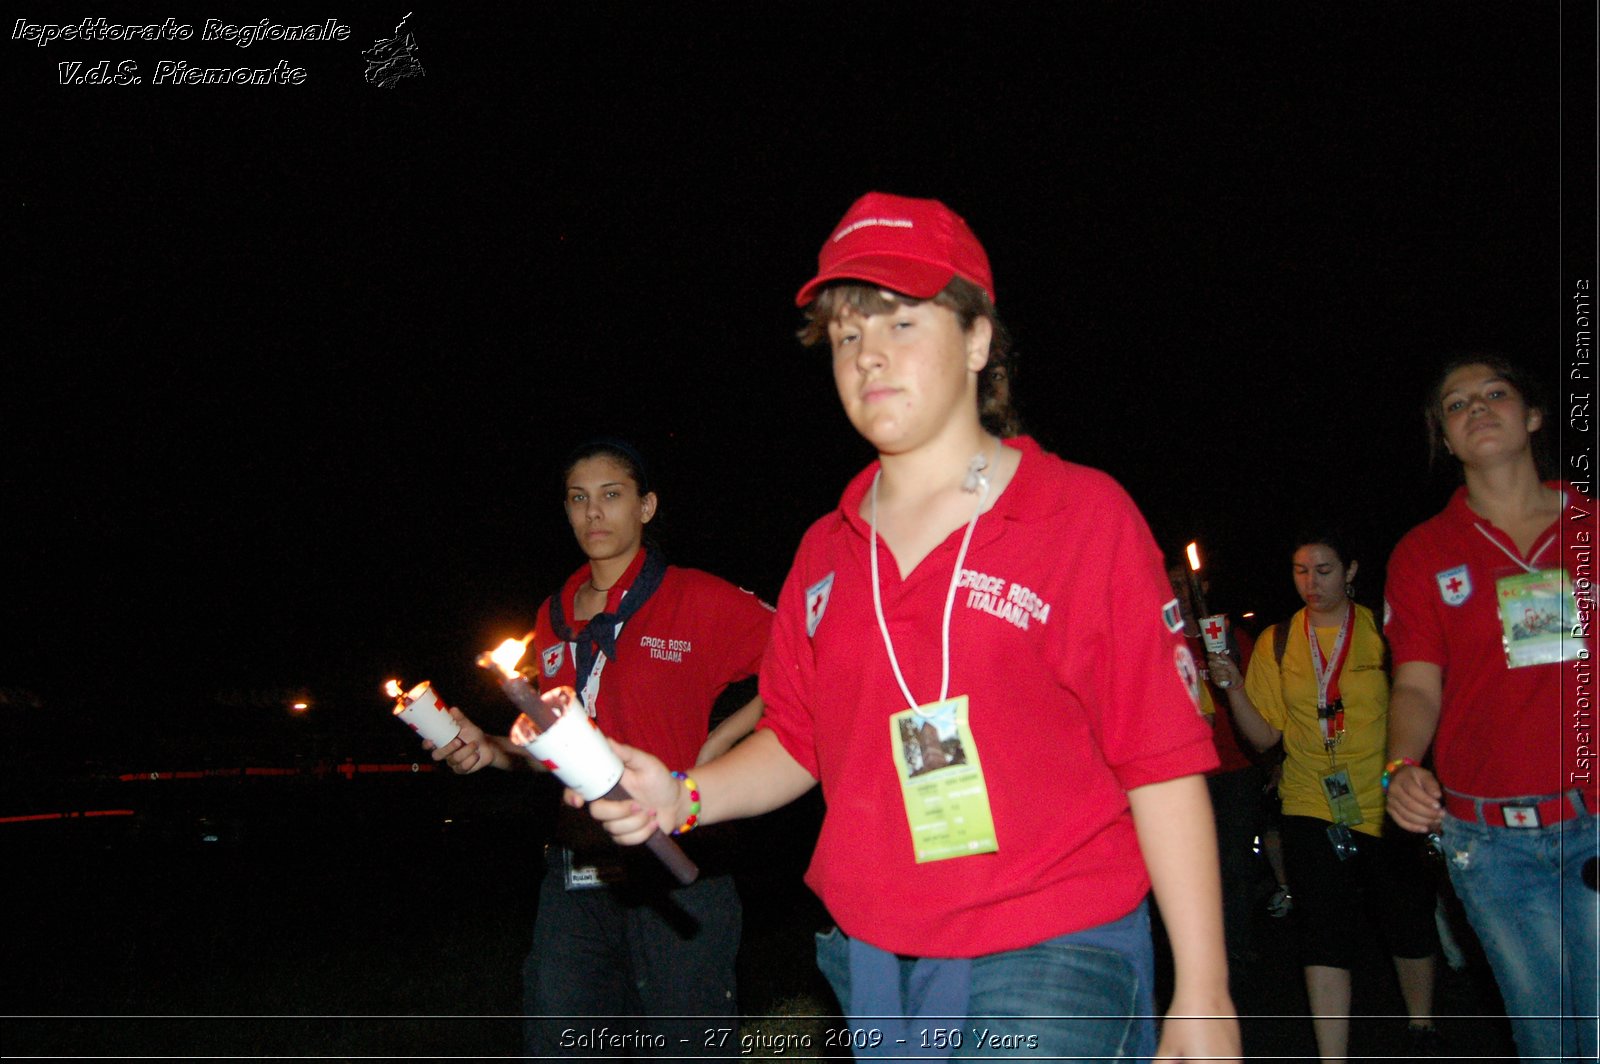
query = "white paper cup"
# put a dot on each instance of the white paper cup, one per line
(1214, 630)
(420, 710)
(575, 750)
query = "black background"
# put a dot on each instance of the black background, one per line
(292, 369)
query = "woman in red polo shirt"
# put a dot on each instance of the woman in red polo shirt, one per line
(1506, 705)
(649, 647)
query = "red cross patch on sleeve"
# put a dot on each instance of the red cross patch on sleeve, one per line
(817, 603)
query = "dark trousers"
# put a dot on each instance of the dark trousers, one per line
(1236, 803)
(1386, 879)
(641, 968)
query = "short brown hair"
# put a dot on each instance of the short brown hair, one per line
(967, 302)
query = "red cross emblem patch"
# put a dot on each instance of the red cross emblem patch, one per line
(1455, 585)
(817, 603)
(551, 658)
(1188, 673)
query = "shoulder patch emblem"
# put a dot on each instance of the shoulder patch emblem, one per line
(1172, 617)
(1455, 586)
(1187, 672)
(552, 657)
(817, 603)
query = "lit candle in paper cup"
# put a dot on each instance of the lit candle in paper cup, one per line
(421, 711)
(572, 748)
(573, 751)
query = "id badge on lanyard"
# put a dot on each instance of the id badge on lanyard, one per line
(1341, 795)
(1537, 611)
(947, 801)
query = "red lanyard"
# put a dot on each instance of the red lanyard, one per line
(1330, 708)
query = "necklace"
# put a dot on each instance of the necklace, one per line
(975, 478)
(602, 590)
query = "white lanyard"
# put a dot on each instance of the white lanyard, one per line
(591, 687)
(1525, 566)
(949, 601)
(1327, 669)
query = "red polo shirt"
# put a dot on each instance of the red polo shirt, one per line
(696, 635)
(1503, 732)
(1076, 695)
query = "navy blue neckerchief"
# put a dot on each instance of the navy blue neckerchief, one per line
(598, 634)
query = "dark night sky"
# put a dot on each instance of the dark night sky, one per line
(292, 368)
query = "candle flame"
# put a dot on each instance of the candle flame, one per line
(392, 688)
(507, 654)
(1193, 550)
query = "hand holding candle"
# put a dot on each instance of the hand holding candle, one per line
(555, 730)
(1213, 627)
(420, 710)
(1224, 671)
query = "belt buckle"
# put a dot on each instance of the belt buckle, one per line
(1520, 816)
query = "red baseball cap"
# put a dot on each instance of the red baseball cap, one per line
(911, 246)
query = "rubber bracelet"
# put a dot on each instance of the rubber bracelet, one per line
(1395, 766)
(694, 805)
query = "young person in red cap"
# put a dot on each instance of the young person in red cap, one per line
(978, 657)
(1493, 655)
(619, 949)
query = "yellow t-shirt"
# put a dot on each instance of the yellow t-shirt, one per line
(1289, 703)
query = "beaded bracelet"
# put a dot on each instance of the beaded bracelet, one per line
(1395, 766)
(694, 805)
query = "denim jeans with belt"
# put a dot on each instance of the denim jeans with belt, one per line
(1525, 895)
(1088, 995)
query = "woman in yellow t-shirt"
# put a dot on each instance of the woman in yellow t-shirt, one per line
(1324, 691)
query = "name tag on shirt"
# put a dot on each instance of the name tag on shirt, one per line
(1342, 801)
(941, 781)
(1537, 611)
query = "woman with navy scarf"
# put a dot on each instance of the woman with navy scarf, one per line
(625, 961)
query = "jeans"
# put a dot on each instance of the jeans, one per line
(1083, 996)
(1524, 895)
